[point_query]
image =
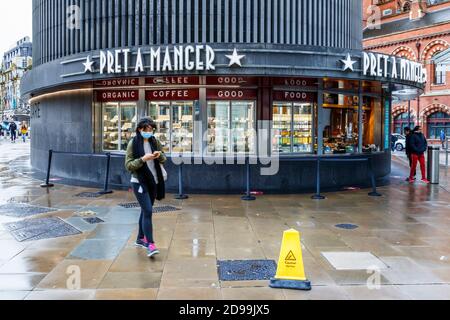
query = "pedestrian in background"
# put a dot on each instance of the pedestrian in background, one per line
(144, 161)
(394, 140)
(13, 131)
(408, 135)
(24, 131)
(443, 139)
(418, 147)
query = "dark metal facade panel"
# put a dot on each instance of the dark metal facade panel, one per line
(108, 24)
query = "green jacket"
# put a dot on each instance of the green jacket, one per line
(133, 165)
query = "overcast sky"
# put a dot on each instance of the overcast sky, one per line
(15, 22)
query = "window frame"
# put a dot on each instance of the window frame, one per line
(292, 105)
(118, 106)
(230, 125)
(171, 104)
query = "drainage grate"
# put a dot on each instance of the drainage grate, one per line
(347, 226)
(39, 229)
(88, 195)
(131, 205)
(246, 270)
(161, 209)
(164, 209)
(22, 210)
(93, 220)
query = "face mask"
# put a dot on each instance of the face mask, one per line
(147, 135)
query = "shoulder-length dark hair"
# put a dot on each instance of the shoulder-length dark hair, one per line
(145, 124)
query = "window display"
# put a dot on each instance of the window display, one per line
(182, 127)
(341, 118)
(242, 126)
(372, 125)
(293, 127)
(231, 126)
(175, 121)
(119, 123)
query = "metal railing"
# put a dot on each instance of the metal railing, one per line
(248, 194)
(108, 157)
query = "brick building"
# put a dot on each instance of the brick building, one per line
(418, 30)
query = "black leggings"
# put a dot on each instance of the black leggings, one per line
(145, 222)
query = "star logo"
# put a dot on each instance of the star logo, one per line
(88, 65)
(235, 58)
(349, 64)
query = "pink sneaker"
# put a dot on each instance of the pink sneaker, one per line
(426, 181)
(152, 250)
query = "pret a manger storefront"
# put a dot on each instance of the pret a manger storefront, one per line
(214, 75)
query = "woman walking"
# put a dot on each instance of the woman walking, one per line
(144, 159)
(24, 131)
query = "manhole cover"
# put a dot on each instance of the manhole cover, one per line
(39, 229)
(163, 209)
(88, 195)
(347, 226)
(246, 270)
(21, 210)
(131, 205)
(93, 220)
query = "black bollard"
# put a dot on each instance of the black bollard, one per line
(248, 195)
(180, 195)
(108, 169)
(47, 183)
(318, 196)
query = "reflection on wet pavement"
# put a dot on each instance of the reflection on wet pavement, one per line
(405, 234)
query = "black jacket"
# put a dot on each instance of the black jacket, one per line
(418, 144)
(408, 144)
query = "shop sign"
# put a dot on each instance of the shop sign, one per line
(117, 95)
(385, 66)
(294, 96)
(295, 82)
(173, 95)
(232, 94)
(159, 59)
(232, 81)
(180, 80)
(125, 82)
(381, 65)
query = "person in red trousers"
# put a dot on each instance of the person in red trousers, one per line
(418, 146)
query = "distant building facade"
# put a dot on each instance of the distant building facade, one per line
(418, 30)
(15, 63)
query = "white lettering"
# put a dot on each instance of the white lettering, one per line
(110, 62)
(167, 64)
(102, 62)
(189, 65)
(178, 58)
(117, 66)
(139, 63)
(210, 57)
(126, 53)
(366, 64)
(155, 55)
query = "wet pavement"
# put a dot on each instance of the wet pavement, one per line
(404, 236)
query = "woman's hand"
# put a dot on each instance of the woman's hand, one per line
(149, 157)
(157, 154)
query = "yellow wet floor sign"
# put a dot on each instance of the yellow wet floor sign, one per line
(291, 270)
